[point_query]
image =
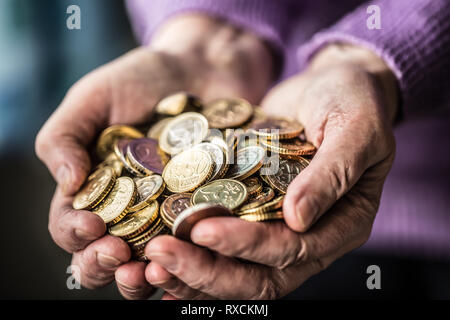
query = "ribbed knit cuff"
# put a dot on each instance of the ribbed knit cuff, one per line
(266, 19)
(414, 41)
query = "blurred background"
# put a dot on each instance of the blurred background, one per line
(39, 60)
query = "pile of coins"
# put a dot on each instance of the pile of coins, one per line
(221, 158)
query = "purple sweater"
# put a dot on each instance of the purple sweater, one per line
(414, 40)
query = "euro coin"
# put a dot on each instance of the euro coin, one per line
(188, 170)
(253, 185)
(137, 243)
(277, 128)
(133, 224)
(248, 161)
(173, 205)
(291, 147)
(120, 149)
(226, 192)
(177, 103)
(227, 113)
(287, 171)
(117, 203)
(148, 189)
(189, 217)
(265, 196)
(218, 157)
(155, 131)
(274, 215)
(272, 205)
(105, 143)
(183, 132)
(95, 189)
(145, 156)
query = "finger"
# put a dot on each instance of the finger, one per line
(272, 244)
(336, 167)
(168, 296)
(131, 282)
(72, 229)
(61, 143)
(212, 274)
(99, 261)
(159, 277)
(344, 228)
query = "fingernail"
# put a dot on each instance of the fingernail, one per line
(83, 235)
(303, 217)
(166, 260)
(107, 261)
(63, 177)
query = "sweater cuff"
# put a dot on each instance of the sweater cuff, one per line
(413, 41)
(266, 19)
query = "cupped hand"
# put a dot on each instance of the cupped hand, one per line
(190, 53)
(347, 101)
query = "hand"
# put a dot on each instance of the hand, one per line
(207, 57)
(346, 100)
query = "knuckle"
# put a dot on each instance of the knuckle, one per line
(304, 252)
(40, 144)
(340, 174)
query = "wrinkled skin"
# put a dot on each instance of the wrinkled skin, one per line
(346, 99)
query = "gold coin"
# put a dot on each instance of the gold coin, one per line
(227, 113)
(288, 169)
(274, 215)
(291, 147)
(248, 161)
(133, 224)
(177, 103)
(148, 189)
(95, 189)
(112, 161)
(183, 132)
(188, 170)
(253, 185)
(272, 205)
(226, 192)
(265, 196)
(155, 131)
(116, 205)
(105, 143)
(217, 155)
(276, 128)
(141, 240)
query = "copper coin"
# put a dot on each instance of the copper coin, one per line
(253, 185)
(287, 171)
(291, 147)
(277, 128)
(173, 205)
(189, 217)
(145, 154)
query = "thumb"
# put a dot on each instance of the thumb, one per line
(61, 143)
(66, 159)
(333, 171)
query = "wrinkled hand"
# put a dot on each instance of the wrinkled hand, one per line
(347, 101)
(208, 58)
